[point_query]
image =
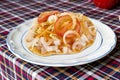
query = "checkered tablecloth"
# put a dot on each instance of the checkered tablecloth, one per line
(14, 12)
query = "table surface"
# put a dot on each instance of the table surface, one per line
(12, 13)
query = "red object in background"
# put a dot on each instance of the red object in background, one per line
(106, 4)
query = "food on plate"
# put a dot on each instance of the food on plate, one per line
(55, 32)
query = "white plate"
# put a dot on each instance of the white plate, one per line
(104, 44)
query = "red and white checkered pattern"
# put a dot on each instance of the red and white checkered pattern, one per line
(14, 12)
